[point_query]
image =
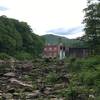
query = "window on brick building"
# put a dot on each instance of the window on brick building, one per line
(50, 48)
(45, 49)
(55, 48)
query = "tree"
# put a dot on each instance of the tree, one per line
(92, 25)
(18, 36)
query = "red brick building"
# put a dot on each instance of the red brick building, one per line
(51, 51)
(60, 51)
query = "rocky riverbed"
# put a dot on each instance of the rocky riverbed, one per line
(30, 80)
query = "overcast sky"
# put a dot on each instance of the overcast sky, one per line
(61, 17)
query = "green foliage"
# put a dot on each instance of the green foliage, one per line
(88, 77)
(92, 23)
(75, 64)
(54, 39)
(84, 63)
(98, 98)
(70, 93)
(4, 56)
(23, 56)
(17, 36)
(51, 78)
(86, 74)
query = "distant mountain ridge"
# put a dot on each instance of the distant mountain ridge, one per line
(54, 39)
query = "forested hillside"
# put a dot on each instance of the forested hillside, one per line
(54, 39)
(17, 38)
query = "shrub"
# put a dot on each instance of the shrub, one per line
(4, 56)
(88, 63)
(70, 93)
(91, 62)
(51, 77)
(76, 65)
(23, 56)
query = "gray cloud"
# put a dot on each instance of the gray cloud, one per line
(64, 31)
(3, 8)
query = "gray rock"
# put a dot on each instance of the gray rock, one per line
(7, 96)
(17, 82)
(10, 74)
(33, 95)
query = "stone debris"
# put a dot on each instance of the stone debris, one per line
(10, 74)
(28, 81)
(33, 95)
(17, 82)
